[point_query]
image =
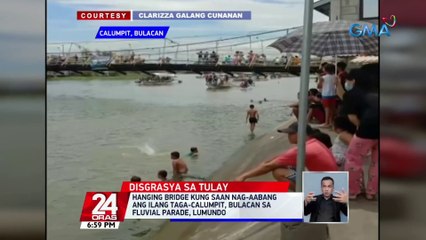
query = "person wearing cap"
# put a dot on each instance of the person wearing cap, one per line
(318, 158)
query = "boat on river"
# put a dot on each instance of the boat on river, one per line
(157, 79)
(215, 82)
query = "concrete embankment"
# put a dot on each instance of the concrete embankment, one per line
(363, 215)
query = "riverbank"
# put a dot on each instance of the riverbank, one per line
(363, 215)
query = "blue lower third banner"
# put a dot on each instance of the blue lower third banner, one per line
(126, 32)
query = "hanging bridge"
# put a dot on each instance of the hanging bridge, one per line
(233, 54)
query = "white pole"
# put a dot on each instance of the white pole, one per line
(335, 63)
(187, 55)
(291, 231)
(69, 50)
(176, 54)
(304, 87)
(164, 47)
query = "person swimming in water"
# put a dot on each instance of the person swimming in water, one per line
(135, 179)
(252, 117)
(194, 152)
(162, 175)
(179, 166)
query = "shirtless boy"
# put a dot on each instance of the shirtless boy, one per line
(252, 117)
(179, 166)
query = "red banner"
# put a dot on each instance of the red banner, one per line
(205, 186)
(105, 206)
(103, 15)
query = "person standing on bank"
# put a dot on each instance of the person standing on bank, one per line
(361, 106)
(252, 117)
(328, 91)
(326, 207)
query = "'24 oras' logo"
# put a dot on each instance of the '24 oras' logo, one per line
(359, 30)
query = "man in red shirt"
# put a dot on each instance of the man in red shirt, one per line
(318, 158)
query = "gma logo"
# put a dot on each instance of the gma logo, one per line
(358, 30)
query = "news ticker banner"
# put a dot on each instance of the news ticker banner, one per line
(130, 15)
(192, 202)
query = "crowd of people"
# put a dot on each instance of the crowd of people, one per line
(348, 103)
(237, 59)
(245, 83)
(212, 79)
(208, 58)
(91, 58)
(204, 57)
(345, 102)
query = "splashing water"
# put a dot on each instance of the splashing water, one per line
(146, 149)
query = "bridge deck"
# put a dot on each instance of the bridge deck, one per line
(173, 68)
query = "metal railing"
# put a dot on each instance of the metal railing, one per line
(177, 52)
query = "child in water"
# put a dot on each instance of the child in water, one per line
(162, 175)
(135, 179)
(194, 152)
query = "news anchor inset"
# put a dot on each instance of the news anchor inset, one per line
(328, 206)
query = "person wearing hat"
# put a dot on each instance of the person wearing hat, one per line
(318, 158)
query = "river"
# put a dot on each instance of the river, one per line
(101, 132)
